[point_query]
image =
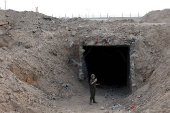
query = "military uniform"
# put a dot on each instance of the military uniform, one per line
(92, 90)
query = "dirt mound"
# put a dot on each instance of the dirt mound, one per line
(158, 16)
(40, 64)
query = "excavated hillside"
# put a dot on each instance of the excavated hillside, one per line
(39, 64)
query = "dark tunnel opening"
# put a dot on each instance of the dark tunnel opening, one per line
(110, 64)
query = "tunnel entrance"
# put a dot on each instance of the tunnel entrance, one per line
(110, 64)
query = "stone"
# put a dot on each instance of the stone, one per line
(65, 85)
(79, 27)
(28, 108)
(71, 44)
(28, 45)
(1, 59)
(106, 111)
(82, 50)
(133, 85)
(4, 48)
(10, 97)
(102, 108)
(66, 40)
(1, 76)
(73, 33)
(139, 96)
(53, 28)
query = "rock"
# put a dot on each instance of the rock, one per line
(1, 59)
(66, 40)
(4, 48)
(139, 96)
(73, 33)
(28, 45)
(28, 108)
(106, 111)
(168, 89)
(71, 44)
(53, 28)
(10, 97)
(82, 50)
(34, 31)
(65, 85)
(133, 85)
(79, 27)
(53, 51)
(1, 76)
(102, 108)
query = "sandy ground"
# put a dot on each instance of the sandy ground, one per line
(80, 103)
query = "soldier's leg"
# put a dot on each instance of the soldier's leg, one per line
(94, 96)
(91, 96)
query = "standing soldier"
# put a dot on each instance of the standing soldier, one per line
(93, 88)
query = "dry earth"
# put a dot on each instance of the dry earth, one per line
(37, 75)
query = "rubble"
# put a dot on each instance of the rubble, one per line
(1, 76)
(102, 108)
(73, 33)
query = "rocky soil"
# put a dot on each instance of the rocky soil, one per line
(37, 74)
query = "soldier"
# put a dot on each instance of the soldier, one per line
(93, 88)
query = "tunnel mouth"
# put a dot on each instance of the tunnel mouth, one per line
(110, 64)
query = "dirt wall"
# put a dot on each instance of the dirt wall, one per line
(40, 50)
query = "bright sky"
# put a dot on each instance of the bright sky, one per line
(84, 7)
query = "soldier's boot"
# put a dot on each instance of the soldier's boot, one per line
(94, 101)
(90, 102)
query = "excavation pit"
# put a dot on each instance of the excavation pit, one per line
(110, 64)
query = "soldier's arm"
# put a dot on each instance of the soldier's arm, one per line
(92, 82)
